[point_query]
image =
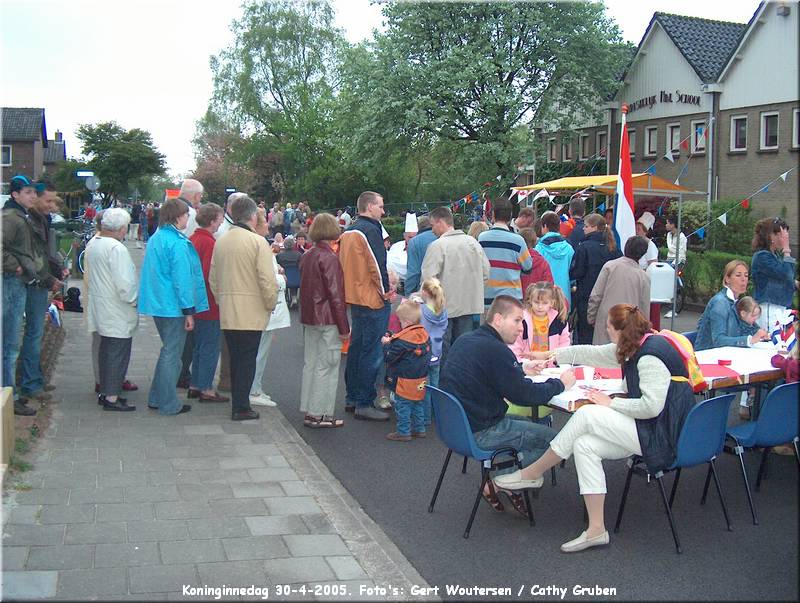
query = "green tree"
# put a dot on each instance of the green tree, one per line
(64, 178)
(480, 74)
(118, 156)
(274, 82)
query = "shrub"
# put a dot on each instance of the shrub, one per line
(702, 275)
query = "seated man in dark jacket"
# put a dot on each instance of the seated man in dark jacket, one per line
(482, 372)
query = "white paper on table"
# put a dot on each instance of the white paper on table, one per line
(567, 398)
(745, 361)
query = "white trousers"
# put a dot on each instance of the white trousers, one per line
(261, 362)
(770, 313)
(133, 232)
(592, 434)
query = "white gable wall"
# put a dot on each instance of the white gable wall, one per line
(768, 70)
(663, 69)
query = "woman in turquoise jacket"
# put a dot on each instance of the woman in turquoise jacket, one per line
(172, 291)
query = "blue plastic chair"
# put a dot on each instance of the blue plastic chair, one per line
(454, 431)
(777, 423)
(292, 274)
(700, 441)
(691, 336)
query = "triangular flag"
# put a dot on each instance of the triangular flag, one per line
(785, 174)
(513, 192)
(724, 219)
(685, 144)
(601, 208)
(746, 203)
(651, 170)
(668, 156)
(700, 131)
(523, 194)
(540, 194)
(701, 232)
(765, 189)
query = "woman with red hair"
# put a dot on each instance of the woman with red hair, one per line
(646, 423)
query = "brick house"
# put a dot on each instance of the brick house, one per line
(24, 141)
(720, 98)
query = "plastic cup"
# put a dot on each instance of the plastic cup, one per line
(588, 373)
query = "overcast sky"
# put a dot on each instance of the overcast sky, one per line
(144, 63)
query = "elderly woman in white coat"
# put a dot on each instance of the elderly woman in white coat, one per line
(278, 319)
(113, 296)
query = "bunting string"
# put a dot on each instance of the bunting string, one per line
(700, 232)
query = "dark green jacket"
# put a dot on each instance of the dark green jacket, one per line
(19, 249)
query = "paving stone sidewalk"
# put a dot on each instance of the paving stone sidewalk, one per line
(137, 506)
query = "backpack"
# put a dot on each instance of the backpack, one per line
(685, 349)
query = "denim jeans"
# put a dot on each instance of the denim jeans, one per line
(530, 439)
(456, 327)
(410, 415)
(31, 352)
(365, 354)
(14, 295)
(433, 379)
(163, 394)
(206, 354)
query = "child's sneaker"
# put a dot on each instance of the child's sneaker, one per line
(383, 403)
(398, 437)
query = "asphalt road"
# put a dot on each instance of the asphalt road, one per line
(393, 482)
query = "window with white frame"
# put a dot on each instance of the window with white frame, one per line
(651, 141)
(6, 160)
(698, 136)
(551, 150)
(674, 137)
(769, 130)
(632, 142)
(583, 152)
(738, 132)
(601, 142)
(566, 149)
(796, 128)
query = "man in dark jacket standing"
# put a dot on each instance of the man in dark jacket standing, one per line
(366, 286)
(22, 262)
(36, 302)
(482, 372)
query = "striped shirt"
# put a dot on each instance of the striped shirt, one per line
(508, 256)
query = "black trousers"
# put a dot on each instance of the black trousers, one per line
(584, 332)
(243, 350)
(186, 357)
(114, 354)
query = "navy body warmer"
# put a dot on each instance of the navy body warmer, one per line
(658, 436)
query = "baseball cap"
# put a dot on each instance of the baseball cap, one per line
(19, 182)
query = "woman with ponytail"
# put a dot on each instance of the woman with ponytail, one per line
(597, 247)
(647, 422)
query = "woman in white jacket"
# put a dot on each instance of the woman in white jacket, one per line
(113, 296)
(278, 319)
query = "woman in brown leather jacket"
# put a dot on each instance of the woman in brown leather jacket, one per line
(324, 317)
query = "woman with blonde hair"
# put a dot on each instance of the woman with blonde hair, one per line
(477, 228)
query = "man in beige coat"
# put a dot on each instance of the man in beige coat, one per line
(461, 265)
(242, 279)
(621, 281)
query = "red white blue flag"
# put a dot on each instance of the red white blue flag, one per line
(624, 223)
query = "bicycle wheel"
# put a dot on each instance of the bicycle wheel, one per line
(679, 300)
(80, 261)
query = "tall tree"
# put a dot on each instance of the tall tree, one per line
(118, 156)
(483, 73)
(274, 82)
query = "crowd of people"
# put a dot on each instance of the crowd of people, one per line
(480, 311)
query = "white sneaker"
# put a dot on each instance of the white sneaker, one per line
(668, 314)
(262, 399)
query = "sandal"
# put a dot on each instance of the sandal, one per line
(492, 499)
(517, 501)
(322, 421)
